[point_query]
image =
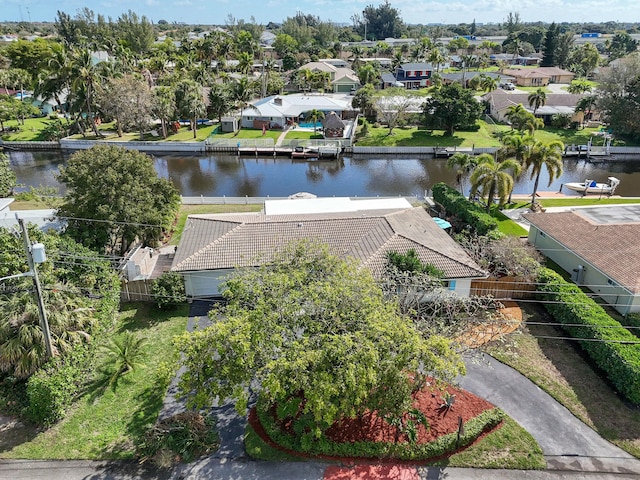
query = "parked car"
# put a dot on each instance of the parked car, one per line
(507, 86)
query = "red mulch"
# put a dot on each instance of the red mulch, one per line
(441, 421)
(429, 402)
(371, 472)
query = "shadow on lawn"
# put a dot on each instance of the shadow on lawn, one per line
(612, 417)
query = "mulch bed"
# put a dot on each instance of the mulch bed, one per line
(375, 429)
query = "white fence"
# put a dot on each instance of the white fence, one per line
(202, 200)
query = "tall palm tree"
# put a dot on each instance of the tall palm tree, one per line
(492, 178)
(537, 99)
(242, 92)
(462, 163)
(315, 115)
(518, 147)
(86, 77)
(544, 155)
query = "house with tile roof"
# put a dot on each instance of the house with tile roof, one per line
(598, 246)
(499, 102)
(212, 246)
(341, 78)
(539, 76)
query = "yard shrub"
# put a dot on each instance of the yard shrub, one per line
(584, 318)
(457, 205)
(168, 290)
(402, 450)
(54, 387)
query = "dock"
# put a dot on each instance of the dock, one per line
(446, 152)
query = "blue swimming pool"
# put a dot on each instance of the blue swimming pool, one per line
(310, 125)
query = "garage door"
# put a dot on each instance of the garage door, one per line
(204, 284)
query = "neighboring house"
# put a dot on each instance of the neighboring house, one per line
(510, 59)
(281, 110)
(499, 102)
(212, 246)
(409, 75)
(44, 219)
(336, 62)
(341, 79)
(382, 61)
(457, 77)
(267, 38)
(539, 76)
(598, 247)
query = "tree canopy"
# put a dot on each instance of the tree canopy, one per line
(310, 325)
(7, 177)
(452, 108)
(114, 196)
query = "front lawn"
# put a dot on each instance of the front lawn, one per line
(508, 226)
(559, 368)
(249, 133)
(31, 131)
(104, 424)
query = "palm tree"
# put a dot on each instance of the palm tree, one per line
(518, 147)
(462, 163)
(315, 115)
(541, 156)
(537, 99)
(242, 92)
(492, 178)
(86, 77)
(489, 84)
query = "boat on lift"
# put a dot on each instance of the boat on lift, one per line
(591, 186)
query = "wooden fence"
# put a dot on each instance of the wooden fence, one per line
(503, 288)
(136, 291)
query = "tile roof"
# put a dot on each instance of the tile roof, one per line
(611, 248)
(212, 242)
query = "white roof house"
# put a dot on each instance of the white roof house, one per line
(280, 110)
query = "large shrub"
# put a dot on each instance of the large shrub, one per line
(168, 290)
(457, 205)
(611, 346)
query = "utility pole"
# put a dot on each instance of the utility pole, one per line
(36, 282)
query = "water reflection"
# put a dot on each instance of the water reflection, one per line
(217, 175)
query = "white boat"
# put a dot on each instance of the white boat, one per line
(591, 186)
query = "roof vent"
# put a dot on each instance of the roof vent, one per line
(300, 224)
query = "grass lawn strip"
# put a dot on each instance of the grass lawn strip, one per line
(104, 424)
(559, 368)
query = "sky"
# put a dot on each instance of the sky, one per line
(216, 12)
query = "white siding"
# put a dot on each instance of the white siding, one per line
(615, 295)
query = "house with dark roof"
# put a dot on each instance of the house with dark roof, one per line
(212, 246)
(598, 246)
(409, 75)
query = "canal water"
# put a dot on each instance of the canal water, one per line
(232, 176)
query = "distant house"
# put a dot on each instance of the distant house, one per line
(281, 110)
(598, 247)
(510, 59)
(499, 102)
(540, 76)
(341, 79)
(409, 75)
(458, 76)
(267, 38)
(212, 246)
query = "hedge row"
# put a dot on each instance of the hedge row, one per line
(457, 205)
(54, 387)
(569, 305)
(402, 451)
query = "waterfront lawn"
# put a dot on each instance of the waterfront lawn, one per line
(186, 210)
(31, 131)
(508, 226)
(104, 424)
(303, 135)
(423, 137)
(577, 201)
(248, 133)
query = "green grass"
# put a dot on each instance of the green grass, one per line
(186, 210)
(423, 137)
(104, 425)
(508, 226)
(248, 133)
(533, 89)
(510, 447)
(302, 135)
(258, 449)
(31, 131)
(559, 368)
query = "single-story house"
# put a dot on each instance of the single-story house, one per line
(499, 102)
(212, 246)
(539, 76)
(510, 59)
(457, 77)
(279, 111)
(598, 246)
